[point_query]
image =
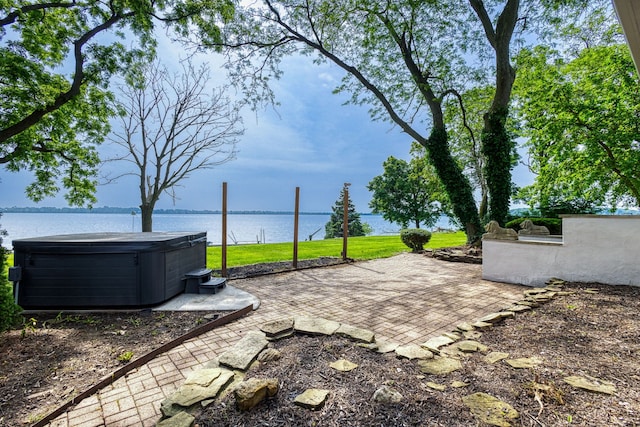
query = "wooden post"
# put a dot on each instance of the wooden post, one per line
(224, 229)
(295, 228)
(345, 220)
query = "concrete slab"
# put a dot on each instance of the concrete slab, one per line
(228, 298)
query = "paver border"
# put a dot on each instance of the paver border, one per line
(142, 360)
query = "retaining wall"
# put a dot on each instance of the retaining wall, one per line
(593, 248)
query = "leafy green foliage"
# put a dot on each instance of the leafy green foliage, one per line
(9, 311)
(407, 192)
(400, 59)
(554, 225)
(581, 117)
(334, 227)
(56, 60)
(415, 238)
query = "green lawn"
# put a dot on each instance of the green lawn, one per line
(369, 247)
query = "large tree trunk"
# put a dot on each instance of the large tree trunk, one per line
(146, 209)
(496, 148)
(456, 184)
(496, 145)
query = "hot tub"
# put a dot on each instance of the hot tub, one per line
(105, 270)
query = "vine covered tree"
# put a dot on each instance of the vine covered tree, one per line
(407, 192)
(56, 60)
(171, 127)
(334, 228)
(394, 62)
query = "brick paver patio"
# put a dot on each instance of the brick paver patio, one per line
(406, 299)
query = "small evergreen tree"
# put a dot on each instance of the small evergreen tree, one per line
(333, 228)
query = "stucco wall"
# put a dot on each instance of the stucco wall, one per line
(595, 248)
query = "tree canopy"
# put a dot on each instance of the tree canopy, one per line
(56, 59)
(407, 192)
(581, 117)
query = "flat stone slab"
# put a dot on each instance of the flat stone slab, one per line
(203, 377)
(312, 398)
(591, 384)
(482, 325)
(497, 317)
(524, 363)
(413, 351)
(465, 327)
(244, 351)
(439, 366)
(343, 365)
(436, 386)
(356, 334)
(187, 395)
(519, 308)
(470, 346)
(434, 344)
(495, 356)
(386, 346)
(490, 410)
(277, 327)
(315, 325)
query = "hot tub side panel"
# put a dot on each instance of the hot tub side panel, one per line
(78, 279)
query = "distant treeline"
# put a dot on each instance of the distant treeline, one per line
(136, 211)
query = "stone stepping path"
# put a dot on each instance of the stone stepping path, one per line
(438, 356)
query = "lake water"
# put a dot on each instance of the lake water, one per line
(241, 228)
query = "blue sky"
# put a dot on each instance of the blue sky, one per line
(311, 140)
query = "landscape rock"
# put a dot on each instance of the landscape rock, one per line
(465, 327)
(482, 325)
(312, 398)
(386, 394)
(181, 419)
(439, 366)
(189, 394)
(386, 346)
(470, 346)
(472, 335)
(244, 351)
(459, 384)
(253, 391)
(203, 377)
(497, 317)
(356, 334)
(490, 410)
(524, 363)
(315, 325)
(269, 355)
(343, 365)
(413, 351)
(591, 384)
(278, 328)
(434, 344)
(495, 356)
(436, 386)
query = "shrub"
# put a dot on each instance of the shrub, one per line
(553, 224)
(415, 238)
(9, 311)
